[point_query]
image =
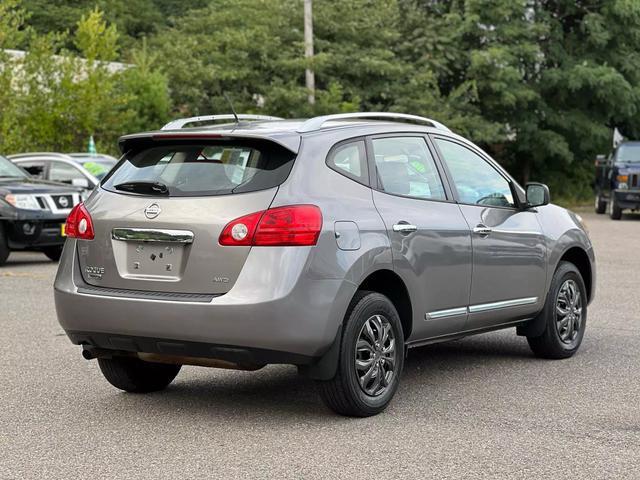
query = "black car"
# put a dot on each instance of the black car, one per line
(32, 212)
(617, 182)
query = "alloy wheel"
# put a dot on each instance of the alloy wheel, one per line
(376, 356)
(568, 311)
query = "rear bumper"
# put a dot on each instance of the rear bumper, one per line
(628, 199)
(291, 314)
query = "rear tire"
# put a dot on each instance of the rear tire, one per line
(601, 205)
(615, 212)
(4, 246)
(137, 376)
(563, 333)
(53, 253)
(371, 358)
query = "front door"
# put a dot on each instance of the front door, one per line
(430, 239)
(509, 253)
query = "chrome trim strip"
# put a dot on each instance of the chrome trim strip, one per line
(152, 235)
(450, 312)
(517, 232)
(517, 302)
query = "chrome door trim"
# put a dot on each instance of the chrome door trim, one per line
(449, 312)
(152, 235)
(517, 302)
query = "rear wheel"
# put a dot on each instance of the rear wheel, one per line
(615, 212)
(565, 315)
(4, 246)
(53, 253)
(601, 205)
(371, 358)
(137, 376)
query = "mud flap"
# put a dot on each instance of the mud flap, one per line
(326, 366)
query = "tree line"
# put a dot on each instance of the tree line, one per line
(538, 83)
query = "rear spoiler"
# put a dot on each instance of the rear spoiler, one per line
(289, 141)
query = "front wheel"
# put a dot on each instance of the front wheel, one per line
(137, 376)
(371, 358)
(565, 315)
(615, 212)
(4, 246)
(601, 205)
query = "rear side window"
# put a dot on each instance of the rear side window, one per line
(189, 170)
(350, 159)
(406, 167)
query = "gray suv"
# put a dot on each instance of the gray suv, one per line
(334, 244)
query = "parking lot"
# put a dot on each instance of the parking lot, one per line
(482, 407)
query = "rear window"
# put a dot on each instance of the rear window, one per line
(188, 170)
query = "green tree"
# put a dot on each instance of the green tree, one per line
(54, 100)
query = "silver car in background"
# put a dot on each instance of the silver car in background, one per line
(334, 244)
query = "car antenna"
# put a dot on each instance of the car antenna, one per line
(233, 111)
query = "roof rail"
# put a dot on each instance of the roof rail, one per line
(316, 123)
(38, 154)
(181, 122)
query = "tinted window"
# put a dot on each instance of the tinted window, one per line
(350, 159)
(477, 182)
(205, 169)
(405, 167)
(63, 172)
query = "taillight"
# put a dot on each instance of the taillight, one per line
(294, 225)
(79, 223)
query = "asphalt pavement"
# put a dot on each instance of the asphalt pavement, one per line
(481, 407)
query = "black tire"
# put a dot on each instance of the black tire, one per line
(343, 393)
(600, 205)
(53, 253)
(615, 212)
(137, 376)
(550, 344)
(4, 246)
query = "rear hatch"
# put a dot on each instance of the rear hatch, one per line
(158, 216)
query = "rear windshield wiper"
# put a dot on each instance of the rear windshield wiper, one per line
(147, 188)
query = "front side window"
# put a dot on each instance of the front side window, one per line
(477, 182)
(350, 159)
(406, 167)
(35, 169)
(183, 170)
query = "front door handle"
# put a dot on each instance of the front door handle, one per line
(404, 228)
(482, 230)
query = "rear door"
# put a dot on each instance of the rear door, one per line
(509, 252)
(165, 239)
(430, 239)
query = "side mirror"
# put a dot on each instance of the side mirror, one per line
(537, 195)
(80, 182)
(601, 160)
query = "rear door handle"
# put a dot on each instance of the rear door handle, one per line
(482, 230)
(404, 228)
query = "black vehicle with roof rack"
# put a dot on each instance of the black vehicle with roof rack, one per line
(32, 212)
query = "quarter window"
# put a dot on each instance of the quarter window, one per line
(406, 167)
(350, 159)
(477, 182)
